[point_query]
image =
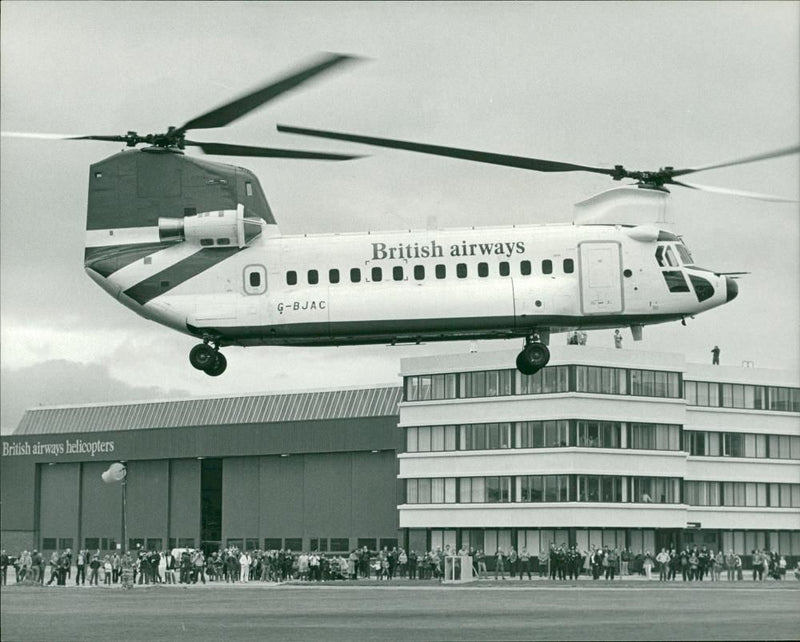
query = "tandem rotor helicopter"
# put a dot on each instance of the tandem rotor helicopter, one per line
(194, 245)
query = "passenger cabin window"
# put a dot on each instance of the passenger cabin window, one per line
(569, 266)
(547, 266)
(505, 269)
(291, 277)
(483, 269)
(525, 268)
(461, 270)
(248, 188)
(397, 273)
(419, 272)
(333, 275)
(255, 279)
(313, 277)
(355, 275)
(441, 271)
(377, 274)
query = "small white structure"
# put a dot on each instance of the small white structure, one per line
(458, 569)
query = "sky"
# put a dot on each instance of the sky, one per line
(601, 83)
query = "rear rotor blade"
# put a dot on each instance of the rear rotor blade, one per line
(741, 161)
(520, 162)
(236, 109)
(224, 149)
(735, 192)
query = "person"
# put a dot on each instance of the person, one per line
(648, 564)
(611, 563)
(617, 339)
(481, 559)
(499, 564)
(544, 561)
(625, 557)
(663, 564)
(715, 356)
(4, 567)
(107, 570)
(80, 568)
(524, 563)
(94, 565)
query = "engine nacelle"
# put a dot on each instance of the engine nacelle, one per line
(223, 228)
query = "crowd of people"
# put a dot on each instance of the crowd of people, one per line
(229, 565)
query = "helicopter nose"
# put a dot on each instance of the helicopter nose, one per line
(732, 288)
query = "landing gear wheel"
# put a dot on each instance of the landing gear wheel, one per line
(202, 356)
(533, 358)
(218, 366)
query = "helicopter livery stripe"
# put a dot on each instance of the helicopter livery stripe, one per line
(171, 277)
(108, 260)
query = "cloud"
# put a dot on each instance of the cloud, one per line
(60, 381)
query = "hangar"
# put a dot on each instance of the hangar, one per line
(621, 447)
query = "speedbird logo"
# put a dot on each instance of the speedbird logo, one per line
(436, 250)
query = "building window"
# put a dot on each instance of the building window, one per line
(427, 387)
(547, 381)
(488, 383)
(654, 436)
(651, 383)
(598, 434)
(437, 490)
(272, 543)
(494, 436)
(340, 544)
(655, 490)
(543, 434)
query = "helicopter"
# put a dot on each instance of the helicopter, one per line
(193, 244)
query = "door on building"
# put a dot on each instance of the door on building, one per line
(601, 278)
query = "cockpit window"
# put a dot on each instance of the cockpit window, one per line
(666, 257)
(686, 256)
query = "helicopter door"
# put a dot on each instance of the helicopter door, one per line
(601, 278)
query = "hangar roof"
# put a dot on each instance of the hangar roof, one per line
(299, 406)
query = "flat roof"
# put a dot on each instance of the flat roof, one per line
(246, 409)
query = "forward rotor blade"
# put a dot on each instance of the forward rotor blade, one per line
(735, 192)
(741, 161)
(224, 149)
(56, 136)
(236, 109)
(520, 162)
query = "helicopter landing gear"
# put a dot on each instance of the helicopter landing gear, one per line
(208, 359)
(534, 356)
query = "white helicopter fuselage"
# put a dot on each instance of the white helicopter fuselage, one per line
(412, 286)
